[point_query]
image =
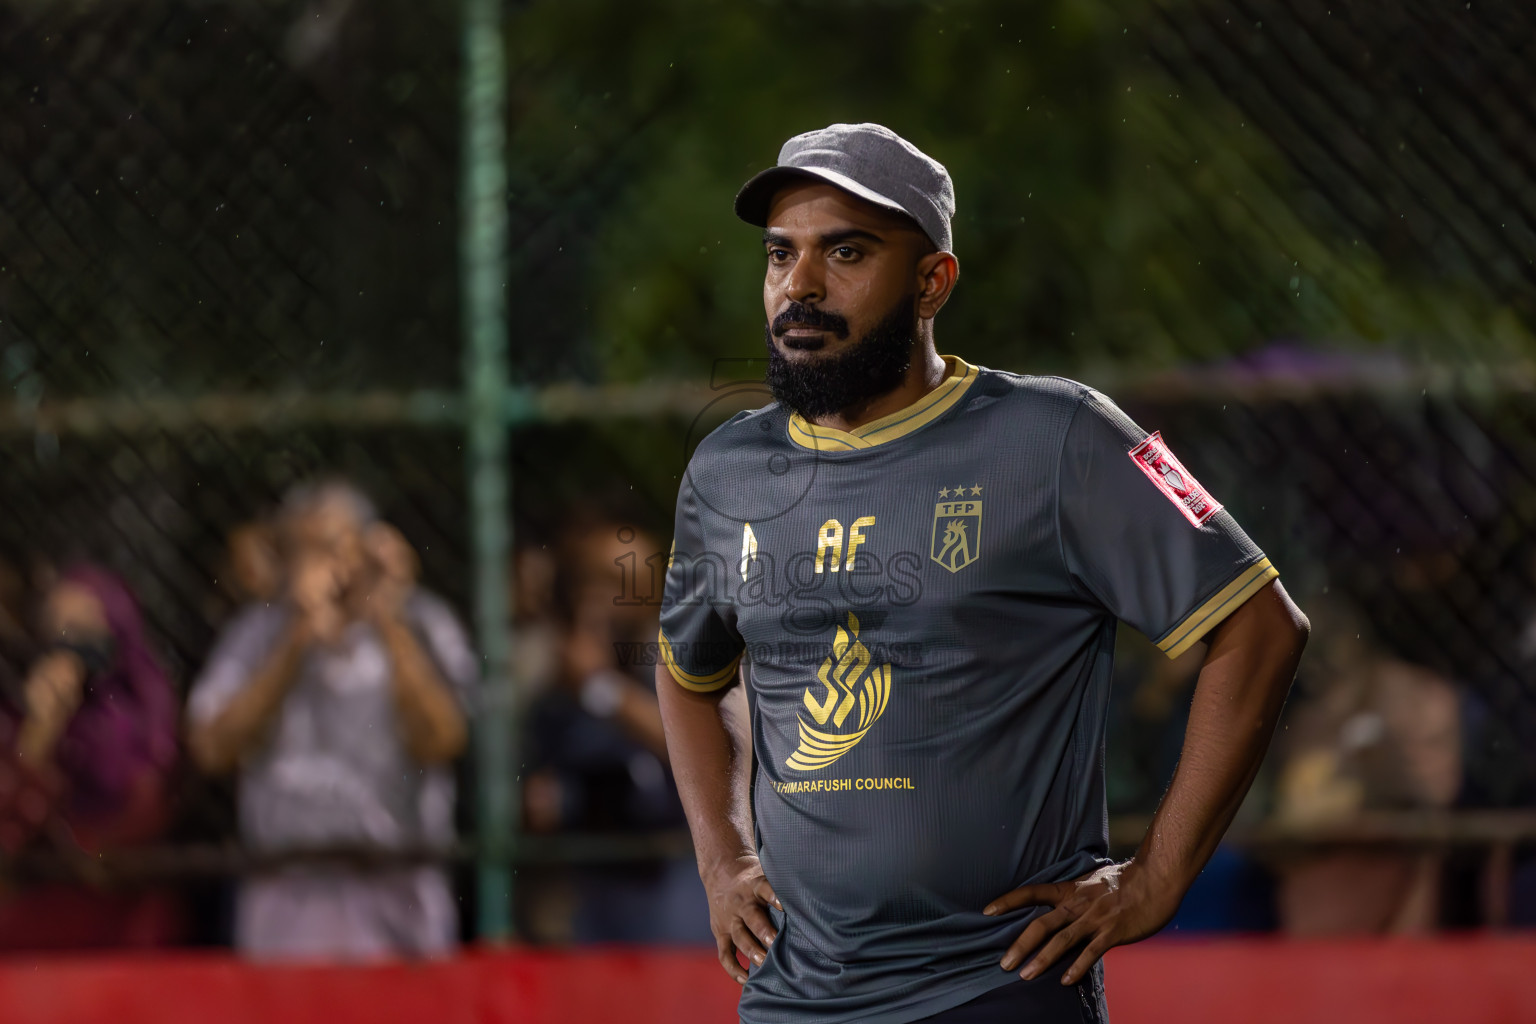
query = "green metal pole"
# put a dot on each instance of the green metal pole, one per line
(483, 266)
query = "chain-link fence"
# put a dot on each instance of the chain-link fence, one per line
(228, 241)
(1299, 240)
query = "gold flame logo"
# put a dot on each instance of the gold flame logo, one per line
(850, 682)
(956, 551)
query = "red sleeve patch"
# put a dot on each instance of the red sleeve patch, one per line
(1170, 477)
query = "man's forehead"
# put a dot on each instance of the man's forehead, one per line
(328, 514)
(821, 208)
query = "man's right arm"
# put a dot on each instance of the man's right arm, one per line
(218, 742)
(710, 746)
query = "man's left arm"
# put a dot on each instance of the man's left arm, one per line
(1249, 665)
(1145, 541)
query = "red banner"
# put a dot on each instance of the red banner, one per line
(1257, 981)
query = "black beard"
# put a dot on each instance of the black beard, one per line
(872, 366)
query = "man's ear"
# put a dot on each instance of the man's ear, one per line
(937, 273)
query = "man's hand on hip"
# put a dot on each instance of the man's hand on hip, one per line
(738, 896)
(1115, 905)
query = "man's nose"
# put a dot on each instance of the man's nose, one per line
(806, 282)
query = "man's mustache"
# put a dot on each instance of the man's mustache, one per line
(796, 315)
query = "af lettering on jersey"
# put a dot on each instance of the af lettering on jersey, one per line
(1168, 475)
(850, 678)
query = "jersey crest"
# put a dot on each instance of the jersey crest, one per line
(956, 539)
(847, 681)
(1177, 483)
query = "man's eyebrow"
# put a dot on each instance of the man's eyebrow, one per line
(829, 239)
(850, 235)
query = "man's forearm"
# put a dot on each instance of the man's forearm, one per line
(710, 746)
(1248, 670)
(430, 720)
(219, 744)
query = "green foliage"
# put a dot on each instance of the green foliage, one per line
(1111, 216)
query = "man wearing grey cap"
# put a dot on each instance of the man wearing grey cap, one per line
(914, 566)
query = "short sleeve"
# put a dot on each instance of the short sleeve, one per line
(448, 644)
(240, 650)
(698, 638)
(1143, 538)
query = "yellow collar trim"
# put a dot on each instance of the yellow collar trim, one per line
(889, 427)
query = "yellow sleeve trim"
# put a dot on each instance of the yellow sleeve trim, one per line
(1227, 600)
(687, 680)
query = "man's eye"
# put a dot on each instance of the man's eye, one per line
(777, 255)
(845, 252)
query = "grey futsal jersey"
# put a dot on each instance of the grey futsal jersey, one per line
(927, 607)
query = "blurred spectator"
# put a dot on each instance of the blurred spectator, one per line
(536, 634)
(90, 738)
(1366, 732)
(597, 748)
(547, 905)
(340, 705)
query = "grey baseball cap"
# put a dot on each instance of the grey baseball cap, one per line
(868, 160)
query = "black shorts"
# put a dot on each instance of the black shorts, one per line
(1045, 1000)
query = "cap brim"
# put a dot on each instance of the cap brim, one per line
(756, 196)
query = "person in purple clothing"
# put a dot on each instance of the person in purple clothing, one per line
(90, 752)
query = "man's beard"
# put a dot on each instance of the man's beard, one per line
(823, 385)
